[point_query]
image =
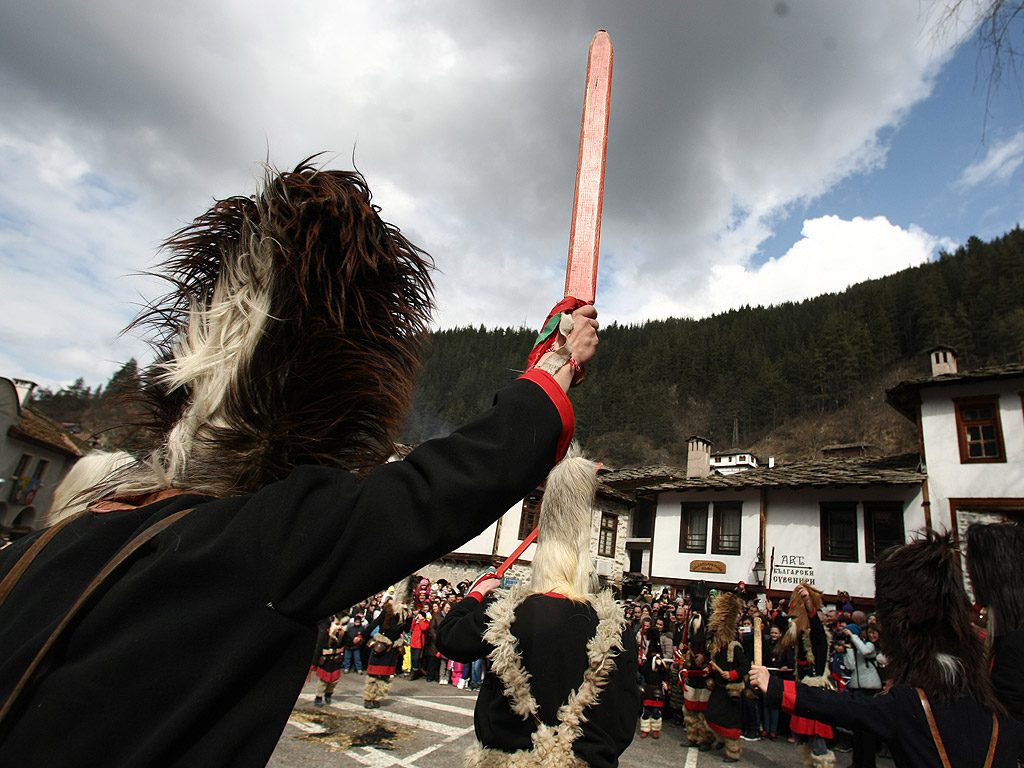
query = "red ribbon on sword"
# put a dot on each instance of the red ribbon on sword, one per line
(585, 230)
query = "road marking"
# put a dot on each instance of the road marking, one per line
(311, 728)
(435, 705)
(691, 757)
(411, 722)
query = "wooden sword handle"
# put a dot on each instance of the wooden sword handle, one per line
(758, 652)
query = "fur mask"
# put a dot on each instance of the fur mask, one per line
(290, 336)
(925, 617)
(724, 622)
(799, 618)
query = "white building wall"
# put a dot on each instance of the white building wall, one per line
(792, 528)
(948, 478)
(668, 562)
(483, 544)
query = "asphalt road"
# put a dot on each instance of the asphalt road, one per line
(427, 725)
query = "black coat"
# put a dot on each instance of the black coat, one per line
(553, 634)
(222, 607)
(898, 718)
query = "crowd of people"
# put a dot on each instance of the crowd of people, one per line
(346, 640)
(659, 624)
(694, 654)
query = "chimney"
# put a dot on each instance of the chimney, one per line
(25, 389)
(698, 457)
(943, 360)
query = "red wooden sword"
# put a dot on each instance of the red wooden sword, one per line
(585, 230)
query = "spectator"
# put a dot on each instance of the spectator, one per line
(751, 703)
(862, 663)
(430, 652)
(417, 641)
(664, 638)
(782, 661)
(653, 676)
(353, 661)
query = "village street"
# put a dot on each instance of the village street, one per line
(426, 725)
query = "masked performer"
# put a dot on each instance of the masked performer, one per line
(562, 687)
(653, 672)
(287, 353)
(941, 709)
(729, 665)
(695, 670)
(387, 643)
(995, 560)
(810, 641)
(331, 643)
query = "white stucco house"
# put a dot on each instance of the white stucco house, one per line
(823, 521)
(35, 454)
(971, 427)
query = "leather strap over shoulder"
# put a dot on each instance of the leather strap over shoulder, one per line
(122, 555)
(13, 575)
(938, 739)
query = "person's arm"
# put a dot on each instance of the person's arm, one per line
(876, 714)
(865, 649)
(461, 635)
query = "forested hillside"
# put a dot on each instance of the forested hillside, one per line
(786, 380)
(818, 362)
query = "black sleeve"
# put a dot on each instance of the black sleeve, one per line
(1008, 673)
(848, 709)
(320, 533)
(368, 629)
(460, 636)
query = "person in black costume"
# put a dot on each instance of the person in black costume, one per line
(995, 561)
(387, 643)
(562, 690)
(941, 710)
(286, 354)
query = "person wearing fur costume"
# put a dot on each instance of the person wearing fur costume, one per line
(386, 644)
(729, 665)
(654, 674)
(810, 641)
(285, 360)
(695, 670)
(995, 560)
(941, 710)
(331, 642)
(562, 689)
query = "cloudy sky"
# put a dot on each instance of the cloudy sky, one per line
(759, 151)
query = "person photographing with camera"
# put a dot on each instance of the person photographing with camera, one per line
(861, 663)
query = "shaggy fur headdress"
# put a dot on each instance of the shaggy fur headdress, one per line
(562, 560)
(291, 336)
(926, 622)
(799, 618)
(724, 622)
(400, 601)
(995, 560)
